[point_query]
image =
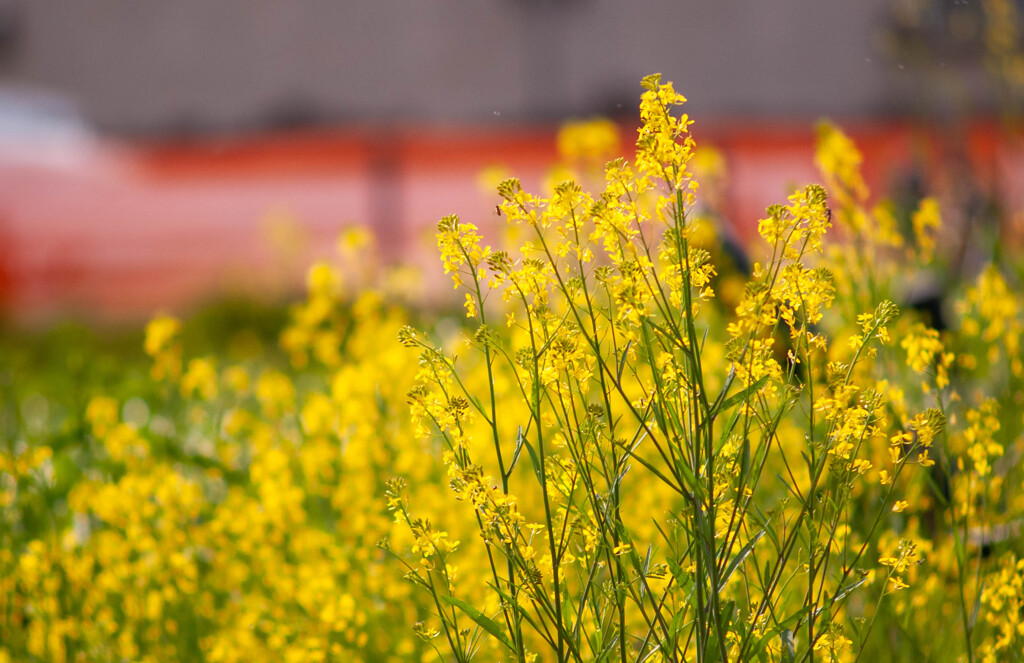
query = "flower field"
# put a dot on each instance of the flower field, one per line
(624, 441)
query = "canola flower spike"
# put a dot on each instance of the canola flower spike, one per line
(163, 346)
(200, 378)
(840, 161)
(1003, 598)
(990, 312)
(926, 222)
(563, 315)
(591, 142)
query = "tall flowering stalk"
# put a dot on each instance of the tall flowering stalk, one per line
(695, 471)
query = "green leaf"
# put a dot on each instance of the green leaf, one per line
(622, 363)
(520, 438)
(788, 646)
(689, 479)
(482, 620)
(740, 556)
(655, 471)
(977, 607)
(844, 591)
(714, 649)
(683, 579)
(782, 629)
(535, 460)
(726, 431)
(744, 460)
(521, 612)
(725, 388)
(788, 487)
(739, 396)
(764, 521)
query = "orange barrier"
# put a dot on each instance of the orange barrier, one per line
(130, 228)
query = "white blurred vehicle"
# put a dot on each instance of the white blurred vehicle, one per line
(44, 129)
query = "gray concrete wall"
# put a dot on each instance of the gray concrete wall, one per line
(136, 65)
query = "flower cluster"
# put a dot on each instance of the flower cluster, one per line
(621, 447)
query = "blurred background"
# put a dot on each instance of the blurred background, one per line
(158, 155)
